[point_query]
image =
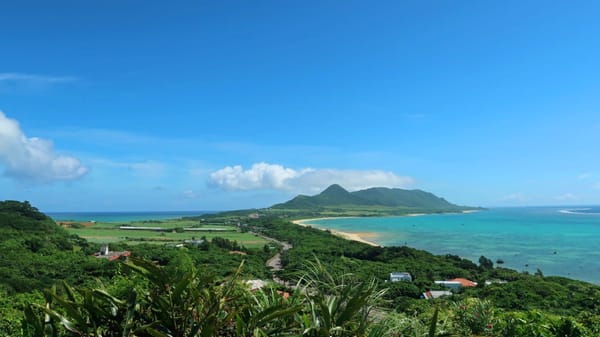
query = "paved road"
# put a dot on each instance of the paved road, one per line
(275, 262)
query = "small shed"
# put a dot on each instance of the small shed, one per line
(400, 276)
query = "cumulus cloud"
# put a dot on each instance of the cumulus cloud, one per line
(305, 180)
(259, 176)
(33, 159)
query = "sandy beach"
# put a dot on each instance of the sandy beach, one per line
(354, 236)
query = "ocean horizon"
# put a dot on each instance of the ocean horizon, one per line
(559, 241)
(124, 216)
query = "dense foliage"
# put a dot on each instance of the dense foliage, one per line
(184, 301)
(198, 290)
(36, 252)
(180, 301)
(219, 256)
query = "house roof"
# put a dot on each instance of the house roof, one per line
(111, 256)
(464, 282)
(436, 293)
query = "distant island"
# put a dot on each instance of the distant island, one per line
(376, 201)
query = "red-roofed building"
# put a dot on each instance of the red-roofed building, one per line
(457, 283)
(464, 282)
(104, 253)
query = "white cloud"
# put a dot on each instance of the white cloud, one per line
(33, 159)
(259, 176)
(34, 79)
(352, 180)
(305, 180)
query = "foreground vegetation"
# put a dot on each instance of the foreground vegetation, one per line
(200, 290)
(187, 302)
(175, 301)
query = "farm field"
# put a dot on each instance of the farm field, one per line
(173, 232)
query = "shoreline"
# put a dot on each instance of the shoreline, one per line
(363, 237)
(352, 236)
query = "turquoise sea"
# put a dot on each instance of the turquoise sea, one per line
(563, 241)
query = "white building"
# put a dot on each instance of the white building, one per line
(400, 276)
(432, 294)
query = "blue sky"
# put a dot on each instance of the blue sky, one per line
(139, 105)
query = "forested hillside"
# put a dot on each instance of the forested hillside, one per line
(36, 252)
(328, 286)
(378, 200)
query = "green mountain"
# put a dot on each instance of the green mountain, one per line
(407, 198)
(395, 198)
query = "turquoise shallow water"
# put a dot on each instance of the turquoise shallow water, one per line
(558, 241)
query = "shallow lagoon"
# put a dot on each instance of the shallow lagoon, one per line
(557, 242)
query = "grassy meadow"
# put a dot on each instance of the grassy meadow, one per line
(172, 232)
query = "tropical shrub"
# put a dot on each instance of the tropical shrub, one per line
(473, 317)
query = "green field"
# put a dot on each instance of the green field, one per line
(108, 232)
(171, 223)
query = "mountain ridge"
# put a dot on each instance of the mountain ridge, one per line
(335, 196)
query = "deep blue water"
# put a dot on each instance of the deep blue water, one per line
(558, 241)
(121, 216)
